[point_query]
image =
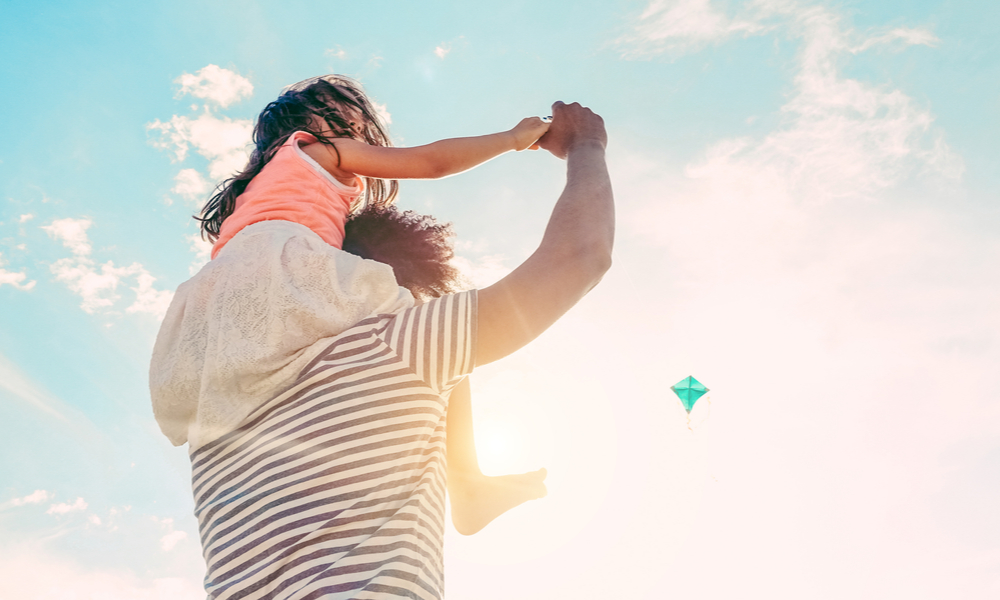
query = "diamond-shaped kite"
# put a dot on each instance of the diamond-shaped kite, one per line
(689, 390)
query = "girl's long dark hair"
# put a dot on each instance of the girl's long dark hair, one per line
(417, 247)
(332, 98)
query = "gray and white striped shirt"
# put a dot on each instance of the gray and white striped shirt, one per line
(335, 488)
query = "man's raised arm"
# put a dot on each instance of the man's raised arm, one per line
(575, 251)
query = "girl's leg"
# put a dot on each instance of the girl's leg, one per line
(477, 499)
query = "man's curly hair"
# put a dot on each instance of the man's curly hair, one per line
(417, 247)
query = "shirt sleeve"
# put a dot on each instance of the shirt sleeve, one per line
(437, 339)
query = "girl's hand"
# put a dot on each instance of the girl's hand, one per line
(527, 132)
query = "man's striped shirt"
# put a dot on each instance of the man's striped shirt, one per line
(335, 488)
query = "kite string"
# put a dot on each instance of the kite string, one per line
(708, 399)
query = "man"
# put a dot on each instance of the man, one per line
(334, 488)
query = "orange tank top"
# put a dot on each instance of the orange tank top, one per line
(293, 187)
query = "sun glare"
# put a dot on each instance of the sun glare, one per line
(502, 446)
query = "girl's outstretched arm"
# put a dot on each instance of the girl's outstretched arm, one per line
(431, 161)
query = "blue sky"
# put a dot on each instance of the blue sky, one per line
(808, 223)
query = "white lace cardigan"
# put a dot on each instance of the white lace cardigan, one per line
(243, 328)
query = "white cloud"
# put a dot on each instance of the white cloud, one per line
(382, 112)
(172, 536)
(97, 284)
(170, 540)
(337, 53)
(909, 37)
(148, 299)
(202, 250)
(16, 280)
(36, 497)
(483, 272)
(72, 233)
(221, 140)
(842, 137)
(840, 140)
(215, 84)
(25, 218)
(30, 574)
(190, 185)
(675, 26)
(115, 516)
(442, 50)
(64, 508)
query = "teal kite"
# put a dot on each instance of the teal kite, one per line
(689, 390)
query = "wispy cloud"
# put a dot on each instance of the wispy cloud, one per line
(442, 50)
(221, 140)
(15, 382)
(841, 136)
(190, 185)
(147, 298)
(170, 540)
(905, 36)
(337, 53)
(72, 233)
(65, 508)
(383, 112)
(97, 284)
(678, 26)
(446, 47)
(30, 572)
(482, 271)
(25, 218)
(172, 537)
(202, 251)
(14, 279)
(840, 139)
(215, 84)
(36, 497)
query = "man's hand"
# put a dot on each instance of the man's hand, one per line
(573, 125)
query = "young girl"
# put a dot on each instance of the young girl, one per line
(278, 289)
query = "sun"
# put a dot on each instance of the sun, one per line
(502, 445)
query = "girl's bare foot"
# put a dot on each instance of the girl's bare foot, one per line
(477, 499)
